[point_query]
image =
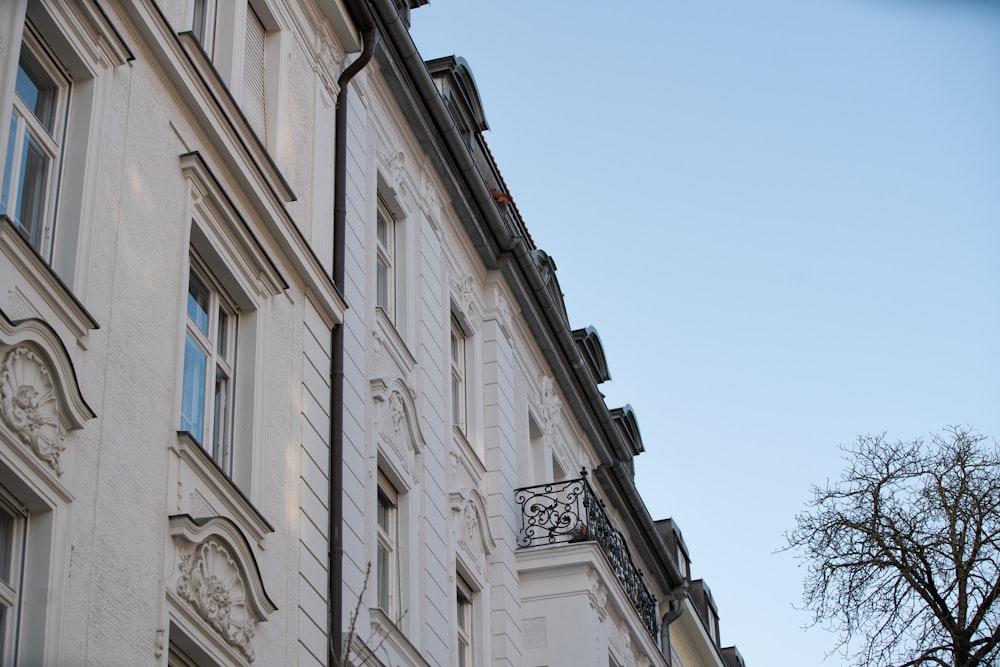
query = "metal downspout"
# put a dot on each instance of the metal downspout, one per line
(677, 598)
(335, 556)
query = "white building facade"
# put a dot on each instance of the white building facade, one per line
(273, 393)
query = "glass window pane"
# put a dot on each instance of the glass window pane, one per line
(197, 305)
(7, 522)
(220, 345)
(384, 507)
(37, 89)
(220, 429)
(8, 162)
(382, 566)
(198, 25)
(29, 208)
(382, 285)
(382, 229)
(193, 397)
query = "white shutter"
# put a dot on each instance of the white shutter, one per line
(253, 74)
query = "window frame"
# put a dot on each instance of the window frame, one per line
(203, 24)
(385, 259)
(10, 588)
(387, 573)
(49, 136)
(465, 601)
(217, 435)
(229, 58)
(458, 356)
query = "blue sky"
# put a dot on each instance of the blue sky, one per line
(782, 217)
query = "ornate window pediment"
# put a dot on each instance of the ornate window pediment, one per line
(396, 422)
(470, 527)
(216, 584)
(40, 399)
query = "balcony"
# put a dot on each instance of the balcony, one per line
(570, 512)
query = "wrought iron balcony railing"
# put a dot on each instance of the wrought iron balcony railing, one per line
(570, 511)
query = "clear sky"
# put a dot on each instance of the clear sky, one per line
(782, 217)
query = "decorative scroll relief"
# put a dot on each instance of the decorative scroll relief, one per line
(218, 580)
(210, 580)
(29, 407)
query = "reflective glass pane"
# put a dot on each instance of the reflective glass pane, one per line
(36, 88)
(29, 209)
(8, 161)
(382, 229)
(197, 305)
(222, 335)
(7, 523)
(382, 285)
(193, 397)
(198, 26)
(219, 436)
(384, 507)
(382, 566)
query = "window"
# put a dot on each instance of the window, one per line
(246, 52)
(253, 74)
(459, 399)
(13, 525)
(203, 24)
(34, 144)
(682, 562)
(463, 618)
(385, 273)
(387, 556)
(209, 353)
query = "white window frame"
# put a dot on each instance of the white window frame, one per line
(386, 229)
(203, 24)
(241, 269)
(48, 135)
(465, 615)
(13, 547)
(255, 73)
(218, 341)
(387, 561)
(236, 28)
(459, 387)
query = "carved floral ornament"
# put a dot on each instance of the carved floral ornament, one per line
(39, 397)
(219, 581)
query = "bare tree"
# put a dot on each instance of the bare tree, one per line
(903, 553)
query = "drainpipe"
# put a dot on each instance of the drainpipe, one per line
(335, 566)
(676, 597)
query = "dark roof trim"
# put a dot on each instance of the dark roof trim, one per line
(593, 353)
(628, 425)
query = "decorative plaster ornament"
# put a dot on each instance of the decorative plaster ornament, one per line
(29, 407)
(211, 582)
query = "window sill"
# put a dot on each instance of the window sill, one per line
(471, 460)
(33, 282)
(393, 343)
(229, 500)
(394, 640)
